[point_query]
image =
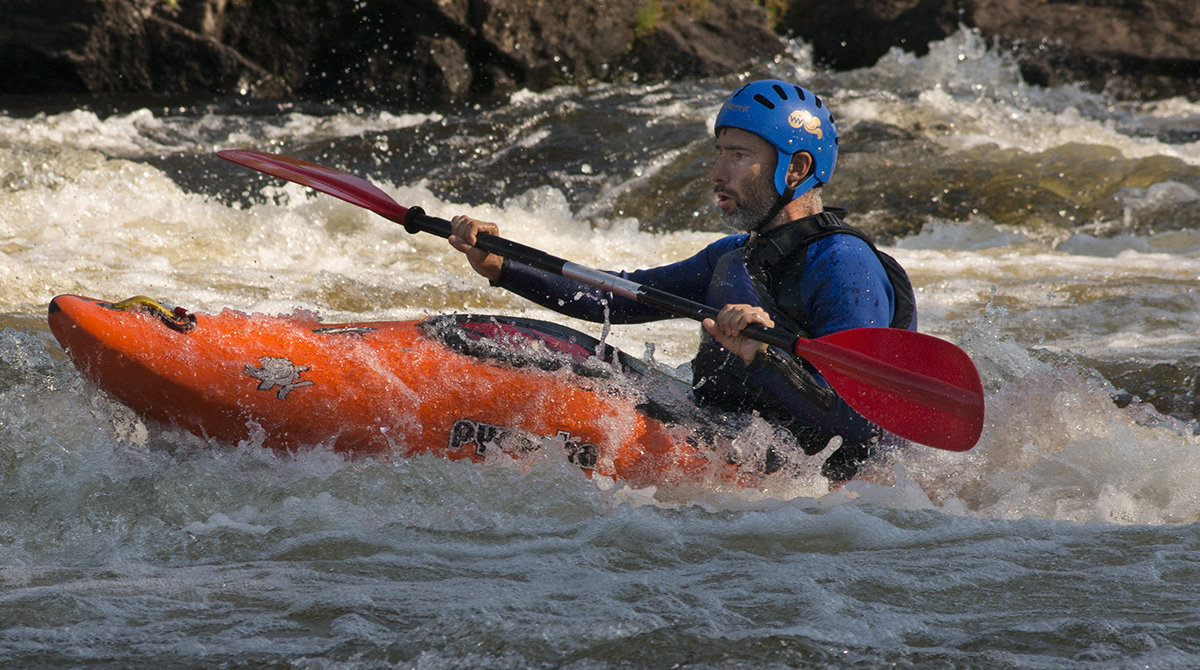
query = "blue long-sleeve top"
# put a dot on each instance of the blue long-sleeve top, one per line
(843, 286)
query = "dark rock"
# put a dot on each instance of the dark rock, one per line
(1141, 49)
(856, 33)
(716, 41)
(1132, 48)
(422, 53)
(413, 53)
(106, 46)
(281, 38)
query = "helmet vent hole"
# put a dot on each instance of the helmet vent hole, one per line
(762, 100)
(780, 92)
(800, 94)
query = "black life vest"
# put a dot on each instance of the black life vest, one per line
(775, 262)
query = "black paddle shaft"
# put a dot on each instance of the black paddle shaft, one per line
(416, 220)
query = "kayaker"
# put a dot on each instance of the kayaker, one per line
(793, 263)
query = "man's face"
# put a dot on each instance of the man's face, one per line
(743, 178)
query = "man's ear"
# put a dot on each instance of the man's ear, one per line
(801, 166)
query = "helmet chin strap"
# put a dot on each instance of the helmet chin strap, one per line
(784, 198)
(789, 193)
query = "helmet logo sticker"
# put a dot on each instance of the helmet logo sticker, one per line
(277, 372)
(802, 118)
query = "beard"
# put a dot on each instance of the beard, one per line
(753, 205)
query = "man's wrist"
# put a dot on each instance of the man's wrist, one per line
(761, 357)
(501, 275)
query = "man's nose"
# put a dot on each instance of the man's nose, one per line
(716, 174)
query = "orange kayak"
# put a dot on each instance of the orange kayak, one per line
(456, 386)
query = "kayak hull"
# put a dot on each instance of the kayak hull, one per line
(370, 388)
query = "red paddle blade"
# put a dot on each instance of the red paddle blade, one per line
(353, 190)
(917, 386)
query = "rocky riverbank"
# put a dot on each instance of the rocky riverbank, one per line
(429, 53)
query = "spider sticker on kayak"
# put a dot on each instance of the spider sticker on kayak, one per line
(279, 372)
(484, 436)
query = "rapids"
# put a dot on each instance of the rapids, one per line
(1052, 233)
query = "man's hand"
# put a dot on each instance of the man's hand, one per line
(464, 233)
(728, 325)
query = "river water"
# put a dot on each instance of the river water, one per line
(1052, 233)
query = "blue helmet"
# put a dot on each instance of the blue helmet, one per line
(792, 119)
